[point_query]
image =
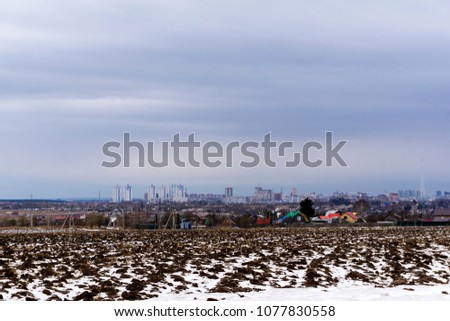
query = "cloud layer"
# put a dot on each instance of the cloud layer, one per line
(77, 74)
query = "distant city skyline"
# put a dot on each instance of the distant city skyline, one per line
(152, 192)
(373, 73)
(139, 190)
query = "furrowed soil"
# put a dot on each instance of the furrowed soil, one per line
(141, 265)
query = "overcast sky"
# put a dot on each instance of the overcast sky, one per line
(75, 74)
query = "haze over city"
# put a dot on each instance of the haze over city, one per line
(74, 76)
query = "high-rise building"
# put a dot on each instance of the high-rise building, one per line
(162, 195)
(263, 195)
(152, 194)
(229, 192)
(409, 194)
(294, 196)
(278, 197)
(117, 194)
(128, 194)
(177, 193)
(173, 193)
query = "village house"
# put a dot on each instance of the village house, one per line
(441, 215)
(349, 217)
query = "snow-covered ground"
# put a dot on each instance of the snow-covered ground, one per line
(390, 263)
(335, 293)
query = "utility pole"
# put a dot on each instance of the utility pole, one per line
(123, 219)
(31, 211)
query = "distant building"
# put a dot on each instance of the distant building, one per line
(128, 194)
(152, 194)
(394, 197)
(177, 194)
(215, 198)
(162, 195)
(441, 215)
(263, 195)
(362, 195)
(278, 197)
(294, 196)
(382, 198)
(229, 192)
(409, 194)
(117, 194)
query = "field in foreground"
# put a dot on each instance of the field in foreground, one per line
(256, 264)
